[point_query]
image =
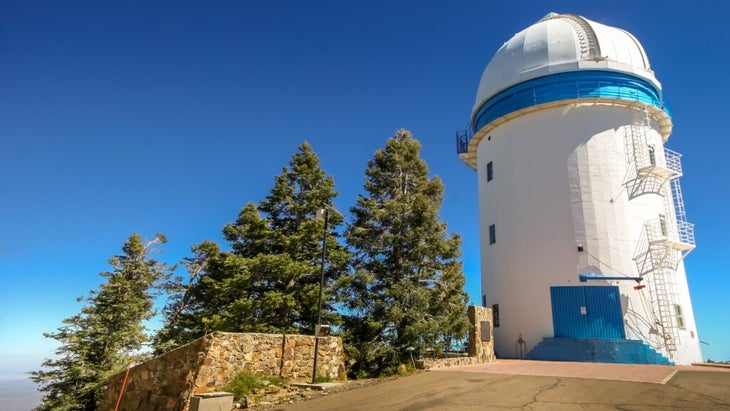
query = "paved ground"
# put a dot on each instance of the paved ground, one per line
(616, 372)
(540, 385)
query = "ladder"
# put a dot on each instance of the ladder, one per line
(664, 296)
(685, 229)
(656, 258)
(665, 240)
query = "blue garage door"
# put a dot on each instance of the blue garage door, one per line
(587, 312)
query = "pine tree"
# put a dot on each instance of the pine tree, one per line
(189, 303)
(269, 281)
(406, 289)
(98, 341)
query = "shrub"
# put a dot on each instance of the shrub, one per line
(402, 370)
(243, 384)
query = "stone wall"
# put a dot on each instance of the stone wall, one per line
(289, 356)
(162, 383)
(481, 333)
(206, 365)
(481, 342)
(433, 363)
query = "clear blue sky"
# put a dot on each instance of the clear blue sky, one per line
(168, 116)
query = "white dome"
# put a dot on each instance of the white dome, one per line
(561, 43)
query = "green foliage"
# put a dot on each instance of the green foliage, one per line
(243, 384)
(98, 341)
(276, 380)
(322, 379)
(405, 369)
(407, 284)
(269, 281)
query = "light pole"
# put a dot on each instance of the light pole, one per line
(322, 213)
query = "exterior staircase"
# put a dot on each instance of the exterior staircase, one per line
(596, 350)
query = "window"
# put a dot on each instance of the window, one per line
(652, 155)
(490, 171)
(492, 234)
(663, 224)
(679, 316)
(495, 315)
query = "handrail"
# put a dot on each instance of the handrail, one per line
(674, 161)
(462, 141)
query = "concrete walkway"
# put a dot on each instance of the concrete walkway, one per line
(658, 374)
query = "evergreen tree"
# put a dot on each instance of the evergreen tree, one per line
(406, 289)
(269, 281)
(188, 303)
(98, 341)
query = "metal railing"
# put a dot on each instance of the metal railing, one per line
(686, 232)
(674, 161)
(462, 141)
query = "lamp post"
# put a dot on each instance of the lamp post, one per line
(322, 213)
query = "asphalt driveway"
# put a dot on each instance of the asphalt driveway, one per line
(540, 385)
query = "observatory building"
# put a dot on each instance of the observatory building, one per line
(583, 227)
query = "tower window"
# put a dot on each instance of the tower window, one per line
(652, 155)
(492, 234)
(484, 300)
(679, 316)
(490, 171)
(663, 224)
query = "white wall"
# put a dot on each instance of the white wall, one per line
(558, 182)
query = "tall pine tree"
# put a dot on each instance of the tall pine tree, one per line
(98, 341)
(407, 285)
(269, 280)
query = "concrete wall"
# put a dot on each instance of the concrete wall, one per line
(206, 365)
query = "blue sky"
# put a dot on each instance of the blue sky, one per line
(168, 116)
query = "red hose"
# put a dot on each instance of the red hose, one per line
(124, 384)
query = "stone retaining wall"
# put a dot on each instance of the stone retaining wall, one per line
(481, 333)
(206, 365)
(481, 342)
(433, 363)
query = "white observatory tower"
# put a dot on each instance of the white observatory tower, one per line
(583, 229)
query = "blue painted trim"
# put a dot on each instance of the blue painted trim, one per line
(597, 350)
(584, 278)
(567, 86)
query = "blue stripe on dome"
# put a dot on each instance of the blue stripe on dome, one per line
(568, 86)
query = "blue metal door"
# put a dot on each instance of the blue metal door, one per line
(587, 312)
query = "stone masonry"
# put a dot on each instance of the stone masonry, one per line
(167, 382)
(481, 342)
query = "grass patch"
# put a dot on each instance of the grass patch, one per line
(244, 383)
(320, 380)
(275, 380)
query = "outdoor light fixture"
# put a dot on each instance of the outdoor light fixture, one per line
(321, 330)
